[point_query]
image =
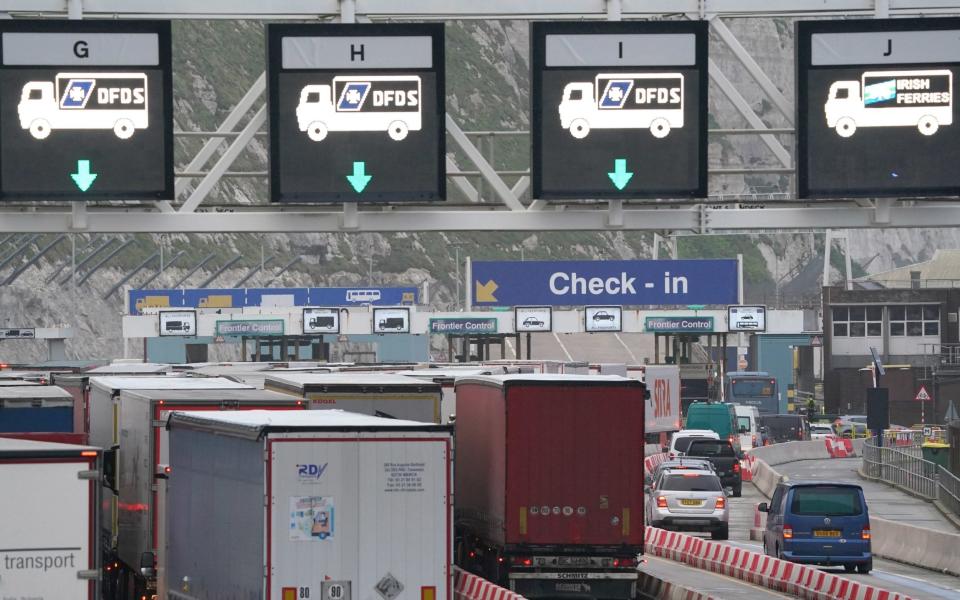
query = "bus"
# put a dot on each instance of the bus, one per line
(753, 388)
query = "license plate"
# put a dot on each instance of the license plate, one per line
(826, 533)
(690, 502)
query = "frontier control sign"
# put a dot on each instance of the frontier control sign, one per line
(678, 324)
(86, 110)
(615, 283)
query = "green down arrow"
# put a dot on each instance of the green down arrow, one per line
(83, 177)
(620, 176)
(359, 179)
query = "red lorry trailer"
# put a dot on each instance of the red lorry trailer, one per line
(549, 483)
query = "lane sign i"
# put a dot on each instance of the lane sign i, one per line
(608, 97)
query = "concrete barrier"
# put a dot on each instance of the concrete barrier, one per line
(655, 588)
(803, 581)
(927, 548)
(777, 454)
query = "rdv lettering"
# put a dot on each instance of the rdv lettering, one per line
(311, 471)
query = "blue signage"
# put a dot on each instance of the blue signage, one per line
(141, 299)
(235, 298)
(358, 296)
(614, 282)
(277, 297)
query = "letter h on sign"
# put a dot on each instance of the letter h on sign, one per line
(354, 53)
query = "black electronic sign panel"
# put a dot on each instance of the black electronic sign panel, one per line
(86, 110)
(619, 110)
(875, 107)
(356, 112)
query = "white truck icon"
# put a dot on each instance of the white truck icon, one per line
(116, 101)
(651, 101)
(921, 99)
(390, 103)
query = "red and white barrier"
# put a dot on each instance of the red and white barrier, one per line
(467, 586)
(803, 581)
(651, 462)
(839, 447)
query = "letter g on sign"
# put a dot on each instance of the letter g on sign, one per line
(81, 49)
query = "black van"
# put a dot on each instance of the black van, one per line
(785, 428)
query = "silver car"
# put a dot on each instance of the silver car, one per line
(689, 500)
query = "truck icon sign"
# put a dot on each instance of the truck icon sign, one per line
(651, 101)
(390, 103)
(111, 101)
(921, 99)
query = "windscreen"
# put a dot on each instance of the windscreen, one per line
(752, 388)
(691, 483)
(826, 501)
(710, 448)
(743, 423)
(683, 443)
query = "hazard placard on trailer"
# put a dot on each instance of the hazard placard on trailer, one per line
(923, 395)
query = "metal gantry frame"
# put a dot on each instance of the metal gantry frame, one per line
(509, 212)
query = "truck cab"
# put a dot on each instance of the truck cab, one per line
(314, 103)
(36, 99)
(844, 100)
(577, 100)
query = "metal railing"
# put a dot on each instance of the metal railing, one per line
(901, 467)
(948, 490)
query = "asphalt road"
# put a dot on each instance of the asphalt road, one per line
(883, 501)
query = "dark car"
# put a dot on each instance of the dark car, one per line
(725, 460)
(533, 322)
(603, 315)
(785, 428)
(820, 523)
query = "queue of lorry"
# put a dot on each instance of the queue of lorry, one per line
(338, 466)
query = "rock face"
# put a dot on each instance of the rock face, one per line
(216, 62)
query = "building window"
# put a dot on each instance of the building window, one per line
(915, 320)
(857, 321)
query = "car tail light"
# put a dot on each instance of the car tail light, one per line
(624, 562)
(736, 467)
(521, 561)
(730, 439)
(721, 502)
(865, 534)
(661, 502)
(787, 532)
(753, 440)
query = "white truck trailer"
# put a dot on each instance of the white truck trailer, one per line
(376, 394)
(921, 99)
(49, 529)
(309, 504)
(651, 101)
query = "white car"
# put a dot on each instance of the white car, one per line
(821, 431)
(681, 440)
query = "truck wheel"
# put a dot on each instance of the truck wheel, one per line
(579, 128)
(845, 127)
(738, 491)
(660, 128)
(397, 130)
(123, 129)
(928, 125)
(317, 131)
(40, 129)
(865, 567)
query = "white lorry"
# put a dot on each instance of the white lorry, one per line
(651, 101)
(116, 101)
(321, 504)
(390, 103)
(921, 99)
(49, 538)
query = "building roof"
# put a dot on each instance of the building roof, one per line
(944, 268)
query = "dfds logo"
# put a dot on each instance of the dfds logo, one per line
(311, 471)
